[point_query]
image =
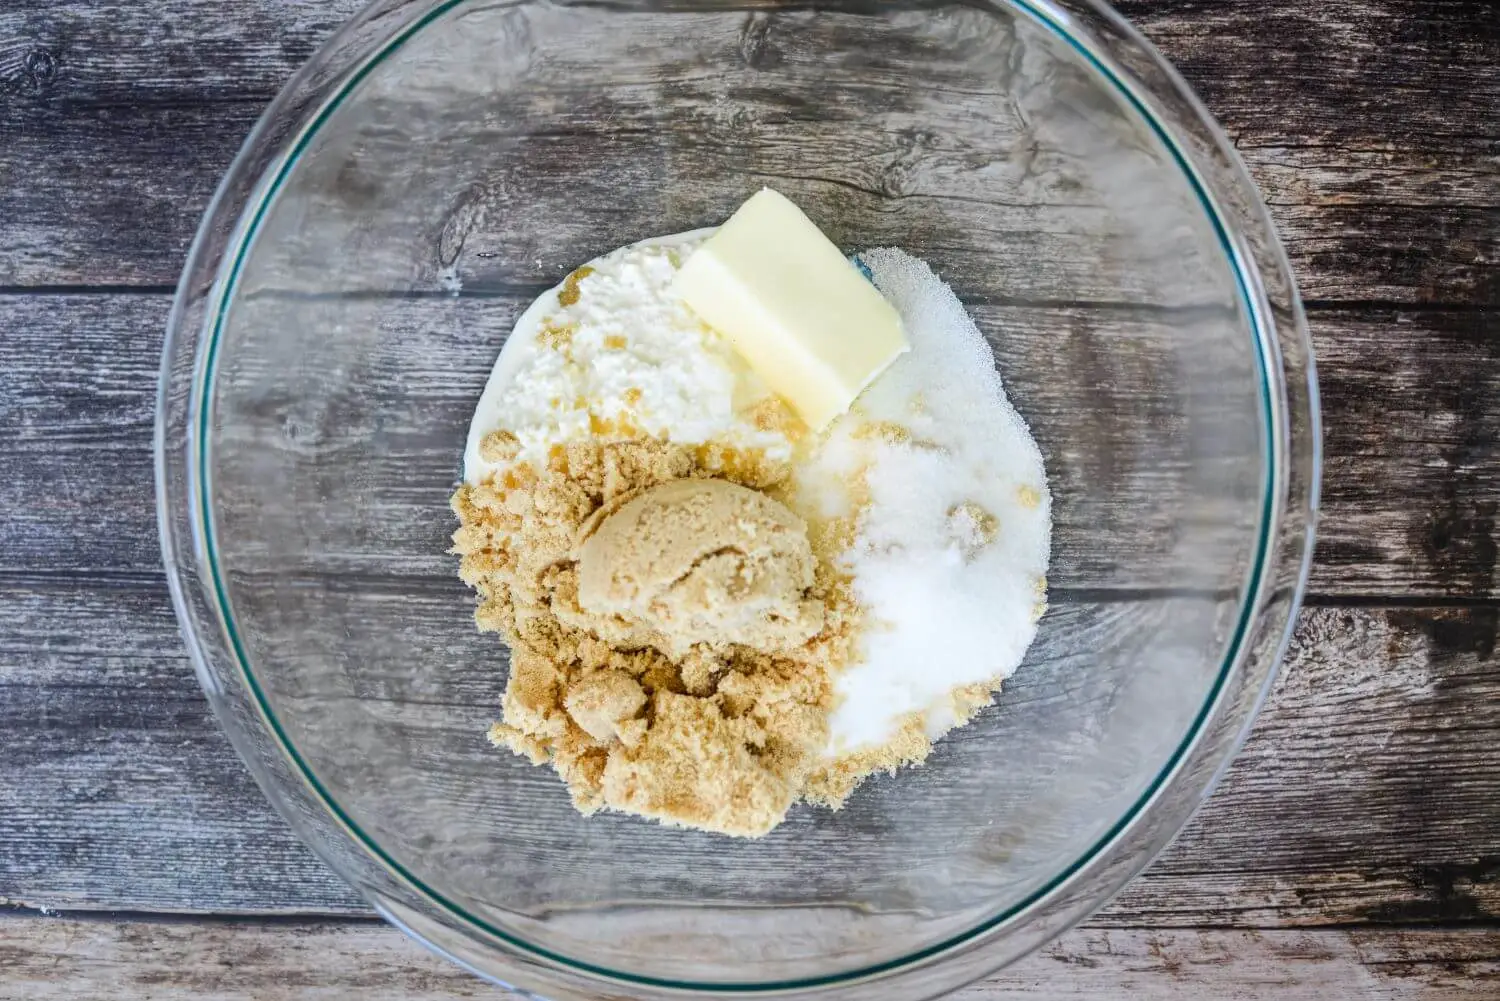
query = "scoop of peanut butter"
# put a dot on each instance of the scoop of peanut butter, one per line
(702, 562)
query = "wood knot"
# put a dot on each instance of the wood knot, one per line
(900, 176)
(756, 48)
(29, 70)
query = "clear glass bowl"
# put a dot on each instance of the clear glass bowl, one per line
(437, 165)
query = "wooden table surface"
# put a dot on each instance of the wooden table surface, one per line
(1353, 851)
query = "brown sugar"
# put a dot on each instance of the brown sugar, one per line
(722, 736)
(569, 294)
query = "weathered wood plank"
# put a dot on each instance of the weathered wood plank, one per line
(1370, 786)
(159, 52)
(1404, 402)
(73, 222)
(123, 743)
(61, 959)
(1350, 74)
(1348, 218)
(1409, 499)
(68, 217)
(1369, 792)
(1263, 69)
(171, 94)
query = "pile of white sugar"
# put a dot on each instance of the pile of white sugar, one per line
(954, 534)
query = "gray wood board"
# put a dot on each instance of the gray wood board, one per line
(1397, 202)
(64, 960)
(1409, 495)
(1368, 792)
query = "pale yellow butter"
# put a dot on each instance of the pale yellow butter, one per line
(793, 307)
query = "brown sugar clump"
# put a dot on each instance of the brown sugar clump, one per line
(699, 561)
(972, 527)
(569, 294)
(722, 736)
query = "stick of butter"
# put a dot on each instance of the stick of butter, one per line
(793, 307)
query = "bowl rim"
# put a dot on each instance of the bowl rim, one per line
(244, 199)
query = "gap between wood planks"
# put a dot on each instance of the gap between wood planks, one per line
(1311, 306)
(109, 580)
(314, 919)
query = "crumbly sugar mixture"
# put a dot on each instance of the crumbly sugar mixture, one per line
(713, 613)
(635, 716)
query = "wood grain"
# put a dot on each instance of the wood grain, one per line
(1347, 218)
(1353, 849)
(173, 89)
(69, 960)
(1409, 492)
(1369, 791)
(1372, 753)
(1348, 73)
(121, 742)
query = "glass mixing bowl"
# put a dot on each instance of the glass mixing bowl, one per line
(437, 165)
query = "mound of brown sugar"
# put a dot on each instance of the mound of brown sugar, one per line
(721, 736)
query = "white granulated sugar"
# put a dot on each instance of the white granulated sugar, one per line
(634, 351)
(946, 607)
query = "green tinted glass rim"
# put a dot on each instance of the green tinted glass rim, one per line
(1050, 19)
